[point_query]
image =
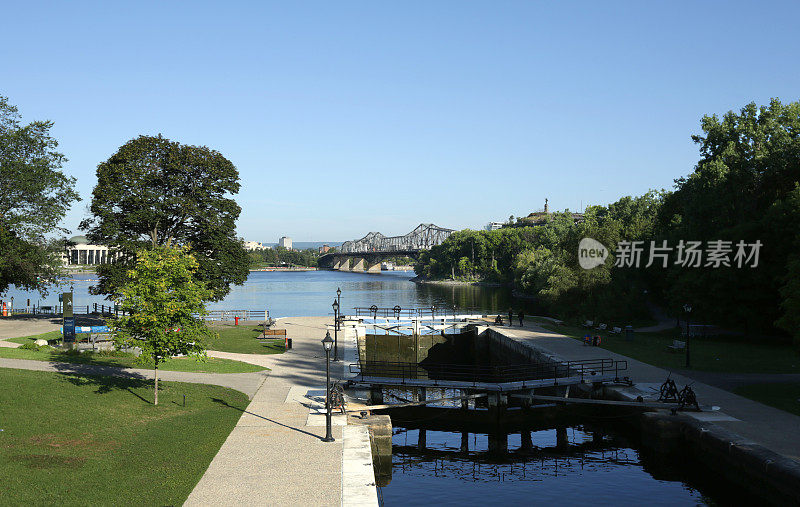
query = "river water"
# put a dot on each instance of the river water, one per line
(311, 293)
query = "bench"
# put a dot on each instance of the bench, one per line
(275, 332)
(616, 330)
(601, 327)
(677, 345)
(588, 323)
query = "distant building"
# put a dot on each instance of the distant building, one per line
(493, 226)
(285, 242)
(324, 249)
(78, 251)
(252, 246)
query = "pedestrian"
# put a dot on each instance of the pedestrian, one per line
(510, 318)
(521, 317)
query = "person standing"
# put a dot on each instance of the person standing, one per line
(510, 318)
(521, 317)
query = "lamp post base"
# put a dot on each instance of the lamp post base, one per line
(328, 439)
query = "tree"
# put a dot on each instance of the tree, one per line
(163, 300)
(34, 195)
(155, 192)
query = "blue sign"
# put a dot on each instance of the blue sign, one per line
(69, 329)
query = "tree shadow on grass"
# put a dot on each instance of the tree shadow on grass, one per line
(223, 402)
(104, 378)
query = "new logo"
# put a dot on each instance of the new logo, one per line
(591, 253)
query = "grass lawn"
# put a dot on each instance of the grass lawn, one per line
(706, 354)
(243, 339)
(785, 396)
(122, 359)
(72, 440)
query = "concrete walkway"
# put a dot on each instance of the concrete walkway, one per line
(769, 427)
(272, 456)
(247, 383)
(14, 327)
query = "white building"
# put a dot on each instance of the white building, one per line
(493, 226)
(252, 246)
(285, 242)
(80, 252)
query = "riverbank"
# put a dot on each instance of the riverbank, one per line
(457, 283)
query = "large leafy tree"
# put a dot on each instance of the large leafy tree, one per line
(154, 192)
(164, 303)
(34, 195)
(740, 190)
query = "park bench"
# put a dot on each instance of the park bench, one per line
(278, 333)
(275, 332)
(677, 345)
(588, 323)
(601, 327)
(616, 330)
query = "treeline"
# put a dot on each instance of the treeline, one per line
(728, 234)
(281, 256)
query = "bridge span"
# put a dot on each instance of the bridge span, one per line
(366, 254)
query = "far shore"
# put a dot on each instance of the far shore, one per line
(423, 281)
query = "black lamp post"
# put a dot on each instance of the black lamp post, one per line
(688, 309)
(335, 330)
(338, 301)
(327, 344)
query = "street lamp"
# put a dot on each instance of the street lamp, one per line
(335, 330)
(339, 304)
(688, 309)
(327, 344)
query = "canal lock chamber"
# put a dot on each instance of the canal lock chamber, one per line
(502, 447)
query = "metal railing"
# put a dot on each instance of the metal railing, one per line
(397, 312)
(260, 315)
(585, 369)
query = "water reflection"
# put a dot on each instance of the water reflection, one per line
(311, 293)
(562, 465)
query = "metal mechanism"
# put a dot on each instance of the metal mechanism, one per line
(669, 391)
(684, 398)
(423, 237)
(337, 397)
(688, 398)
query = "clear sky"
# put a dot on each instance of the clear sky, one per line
(349, 117)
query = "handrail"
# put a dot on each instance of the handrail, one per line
(490, 374)
(397, 311)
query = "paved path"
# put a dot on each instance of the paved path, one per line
(14, 327)
(730, 381)
(772, 428)
(272, 457)
(247, 383)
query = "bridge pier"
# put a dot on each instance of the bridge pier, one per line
(358, 265)
(374, 267)
(343, 264)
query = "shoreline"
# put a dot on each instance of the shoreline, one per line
(418, 280)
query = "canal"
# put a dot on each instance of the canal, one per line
(591, 464)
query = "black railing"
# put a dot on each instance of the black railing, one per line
(585, 369)
(397, 312)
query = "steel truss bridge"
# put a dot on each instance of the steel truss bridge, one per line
(375, 246)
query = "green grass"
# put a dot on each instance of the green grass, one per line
(123, 359)
(785, 396)
(243, 339)
(51, 336)
(706, 354)
(72, 440)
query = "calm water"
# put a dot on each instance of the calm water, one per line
(592, 469)
(312, 292)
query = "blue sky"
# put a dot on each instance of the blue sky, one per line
(349, 117)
